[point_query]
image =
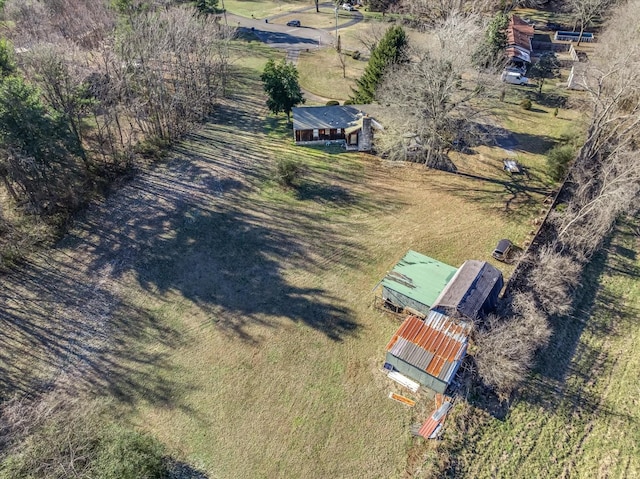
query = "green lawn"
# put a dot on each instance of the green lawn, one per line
(253, 55)
(262, 8)
(577, 415)
(543, 16)
(321, 73)
(270, 290)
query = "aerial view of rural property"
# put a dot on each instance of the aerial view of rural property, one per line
(387, 239)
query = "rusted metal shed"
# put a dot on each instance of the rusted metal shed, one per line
(430, 350)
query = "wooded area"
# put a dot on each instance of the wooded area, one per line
(87, 91)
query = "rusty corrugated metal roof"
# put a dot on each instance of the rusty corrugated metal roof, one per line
(435, 345)
(519, 33)
(431, 426)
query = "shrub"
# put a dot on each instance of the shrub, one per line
(153, 149)
(525, 104)
(333, 103)
(558, 159)
(287, 172)
(92, 446)
(571, 136)
(506, 346)
(554, 279)
(356, 55)
(128, 454)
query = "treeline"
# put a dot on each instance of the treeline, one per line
(602, 184)
(86, 86)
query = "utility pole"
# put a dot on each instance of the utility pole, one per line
(336, 10)
(224, 13)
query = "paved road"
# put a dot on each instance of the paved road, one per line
(291, 38)
(281, 36)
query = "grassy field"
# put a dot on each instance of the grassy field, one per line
(543, 17)
(325, 18)
(262, 8)
(253, 55)
(234, 319)
(271, 292)
(321, 73)
(578, 414)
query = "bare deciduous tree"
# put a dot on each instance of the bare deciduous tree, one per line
(433, 100)
(554, 279)
(372, 35)
(506, 346)
(585, 12)
(605, 179)
(60, 72)
(84, 22)
(174, 68)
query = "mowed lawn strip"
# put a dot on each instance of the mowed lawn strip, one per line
(577, 416)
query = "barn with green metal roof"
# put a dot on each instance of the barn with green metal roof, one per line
(415, 282)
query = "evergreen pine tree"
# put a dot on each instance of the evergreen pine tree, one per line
(390, 50)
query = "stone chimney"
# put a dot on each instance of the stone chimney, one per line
(366, 135)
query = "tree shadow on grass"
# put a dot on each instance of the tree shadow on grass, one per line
(281, 38)
(193, 226)
(197, 227)
(278, 125)
(182, 470)
(524, 142)
(61, 329)
(548, 99)
(68, 316)
(624, 262)
(321, 193)
(600, 311)
(232, 265)
(515, 193)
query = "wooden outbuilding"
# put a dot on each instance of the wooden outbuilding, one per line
(472, 292)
